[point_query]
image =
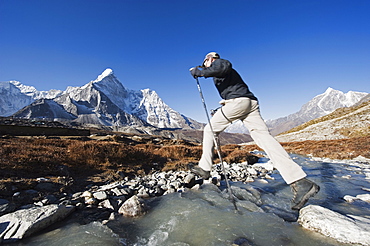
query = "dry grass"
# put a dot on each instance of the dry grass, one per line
(22, 158)
(334, 149)
(103, 161)
(353, 132)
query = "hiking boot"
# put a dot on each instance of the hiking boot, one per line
(303, 189)
(197, 170)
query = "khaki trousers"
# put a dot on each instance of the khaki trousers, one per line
(248, 111)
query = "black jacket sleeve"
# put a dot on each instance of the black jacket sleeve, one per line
(219, 69)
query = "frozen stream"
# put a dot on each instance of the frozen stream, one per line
(207, 217)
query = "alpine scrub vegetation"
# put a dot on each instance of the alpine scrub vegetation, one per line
(32, 158)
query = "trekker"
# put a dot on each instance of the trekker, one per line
(239, 103)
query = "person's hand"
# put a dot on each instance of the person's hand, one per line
(195, 72)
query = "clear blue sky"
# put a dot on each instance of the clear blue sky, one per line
(287, 51)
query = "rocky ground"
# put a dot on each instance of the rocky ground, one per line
(71, 165)
(113, 173)
(32, 209)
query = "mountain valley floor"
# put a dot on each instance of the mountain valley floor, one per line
(72, 164)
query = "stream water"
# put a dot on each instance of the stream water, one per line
(207, 217)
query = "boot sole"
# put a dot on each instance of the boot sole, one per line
(312, 192)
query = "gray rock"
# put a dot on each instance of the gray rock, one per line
(116, 191)
(162, 181)
(343, 228)
(133, 207)
(100, 195)
(142, 192)
(189, 180)
(91, 201)
(175, 184)
(77, 195)
(87, 194)
(25, 222)
(109, 186)
(109, 203)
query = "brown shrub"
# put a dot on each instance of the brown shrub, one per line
(179, 152)
(110, 155)
(237, 156)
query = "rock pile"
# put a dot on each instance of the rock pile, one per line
(114, 195)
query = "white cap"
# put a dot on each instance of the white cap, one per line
(211, 54)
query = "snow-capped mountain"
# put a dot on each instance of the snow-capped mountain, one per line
(320, 105)
(35, 94)
(14, 96)
(342, 123)
(105, 101)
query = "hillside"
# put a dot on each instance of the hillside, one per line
(319, 106)
(341, 124)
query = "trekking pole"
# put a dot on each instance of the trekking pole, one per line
(217, 144)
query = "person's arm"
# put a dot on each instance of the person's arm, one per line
(219, 69)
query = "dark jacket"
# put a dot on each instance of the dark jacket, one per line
(228, 82)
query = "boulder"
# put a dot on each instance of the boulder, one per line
(133, 207)
(343, 228)
(25, 222)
